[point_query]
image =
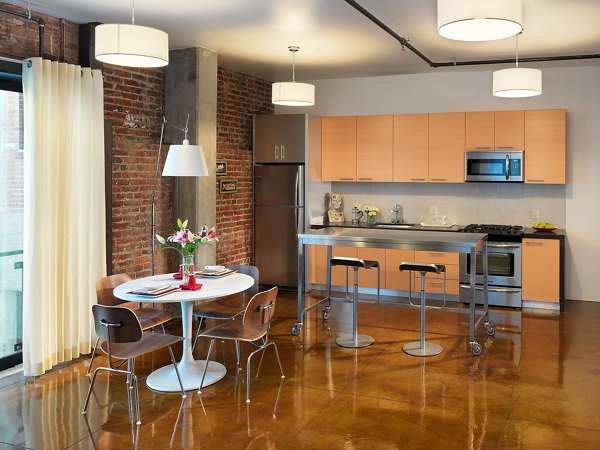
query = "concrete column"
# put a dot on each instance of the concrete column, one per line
(191, 88)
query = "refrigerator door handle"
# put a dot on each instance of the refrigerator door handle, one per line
(299, 200)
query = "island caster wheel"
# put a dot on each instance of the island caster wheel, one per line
(476, 348)
(296, 329)
(490, 329)
(326, 313)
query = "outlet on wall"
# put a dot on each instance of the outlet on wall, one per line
(534, 214)
(433, 210)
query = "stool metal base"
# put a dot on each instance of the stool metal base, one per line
(362, 340)
(415, 349)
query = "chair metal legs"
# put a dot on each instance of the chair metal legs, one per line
(200, 320)
(93, 356)
(261, 348)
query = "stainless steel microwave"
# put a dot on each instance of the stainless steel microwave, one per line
(495, 166)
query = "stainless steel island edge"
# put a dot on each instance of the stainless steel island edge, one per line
(469, 243)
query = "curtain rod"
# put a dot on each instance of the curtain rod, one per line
(18, 61)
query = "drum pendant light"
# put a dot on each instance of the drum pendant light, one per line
(293, 93)
(479, 20)
(518, 81)
(131, 45)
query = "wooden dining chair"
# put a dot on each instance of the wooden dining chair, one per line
(254, 328)
(124, 341)
(148, 317)
(228, 307)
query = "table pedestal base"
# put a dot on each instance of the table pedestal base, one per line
(165, 378)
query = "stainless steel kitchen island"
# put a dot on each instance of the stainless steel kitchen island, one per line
(469, 243)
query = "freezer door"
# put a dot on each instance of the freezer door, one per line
(281, 185)
(276, 244)
(280, 138)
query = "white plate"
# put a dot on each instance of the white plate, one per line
(214, 268)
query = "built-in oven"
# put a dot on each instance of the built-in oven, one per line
(494, 166)
(504, 274)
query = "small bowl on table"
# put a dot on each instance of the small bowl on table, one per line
(214, 268)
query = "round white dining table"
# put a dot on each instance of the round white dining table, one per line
(190, 370)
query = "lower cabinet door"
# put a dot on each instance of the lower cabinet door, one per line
(394, 279)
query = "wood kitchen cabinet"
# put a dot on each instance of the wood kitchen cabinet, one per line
(411, 148)
(434, 283)
(374, 148)
(541, 270)
(280, 138)
(545, 146)
(509, 130)
(479, 130)
(447, 147)
(394, 279)
(338, 148)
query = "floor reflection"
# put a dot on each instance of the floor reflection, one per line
(534, 386)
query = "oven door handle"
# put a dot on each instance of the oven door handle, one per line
(492, 289)
(503, 245)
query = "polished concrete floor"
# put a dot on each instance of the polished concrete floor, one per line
(536, 386)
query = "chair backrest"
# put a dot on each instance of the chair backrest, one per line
(116, 324)
(105, 286)
(261, 308)
(251, 271)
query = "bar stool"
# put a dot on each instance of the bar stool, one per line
(422, 348)
(356, 340)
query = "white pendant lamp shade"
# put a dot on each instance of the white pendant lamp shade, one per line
(517, 82)
(479, 20)
(185, 161)
(292, 93)
(131, 45)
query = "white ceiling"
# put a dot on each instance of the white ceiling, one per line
(335, 40)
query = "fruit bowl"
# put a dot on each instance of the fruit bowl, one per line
(544, 230)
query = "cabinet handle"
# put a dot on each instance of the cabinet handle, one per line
(364, 178)
(277, 153)
(347, 179)
(436, 283)
(505, 147)
(534, 181)
(437, 179)
(435, 253)
(484, 148)
(283, 152)
(417, 179)
(538, 244)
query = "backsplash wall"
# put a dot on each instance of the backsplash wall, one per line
(463, 203)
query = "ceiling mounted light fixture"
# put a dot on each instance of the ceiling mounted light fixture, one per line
(292, 93)
(517, 82)
(131, 45)
(479, 20)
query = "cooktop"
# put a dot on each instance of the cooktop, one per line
(497, 232)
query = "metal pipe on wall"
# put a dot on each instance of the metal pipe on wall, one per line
(38, 20)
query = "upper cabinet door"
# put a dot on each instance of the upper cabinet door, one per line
(545, 146)
(447, 147)
(509, 130)
(411, 147)
(280, 138)
(338, 148)
(480, 130)
(374, 148)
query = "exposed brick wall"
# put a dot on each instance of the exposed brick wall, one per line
(239, 97)
(134, 100)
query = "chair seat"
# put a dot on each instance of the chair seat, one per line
(226, 308)
(234, 329)
(422, 267)
(148, 343)
(353, 262)
(152, 317)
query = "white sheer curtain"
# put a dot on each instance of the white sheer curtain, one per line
(64, 219)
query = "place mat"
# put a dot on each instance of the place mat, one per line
(218, 274)
(155, 291)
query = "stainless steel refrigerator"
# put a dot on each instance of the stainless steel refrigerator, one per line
(278, 217)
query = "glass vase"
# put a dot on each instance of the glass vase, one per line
(370, 219)
(188, 267)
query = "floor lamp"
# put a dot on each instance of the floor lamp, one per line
(182, 161)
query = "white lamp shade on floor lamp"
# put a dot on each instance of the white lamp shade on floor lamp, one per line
(517, 82)
(185, 161)
(292, 93)
(131, 45)
(479, 20)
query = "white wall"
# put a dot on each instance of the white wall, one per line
(577, 89)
